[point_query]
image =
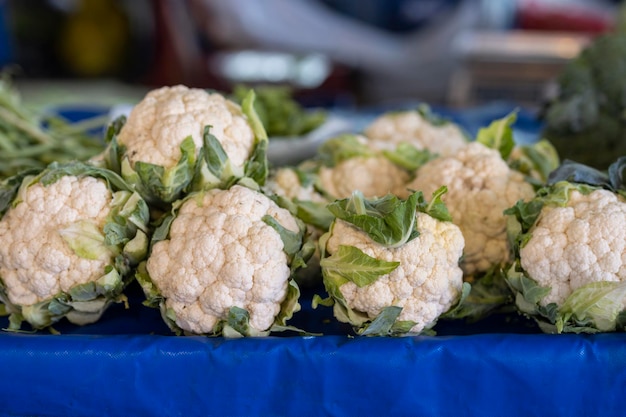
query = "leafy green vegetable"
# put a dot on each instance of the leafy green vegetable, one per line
(156, 184)
(591, 308)
(197, 169)
(388, 220)
(216, 169)
(536, 161)
(387, 324)
(351, 264)
(575, 172)
(34, 139)
(585, 120)
(86, 239)
(343, 147)
(499, 135)
(408, 156)
(279, 112)
(487, 295)
(598, 302)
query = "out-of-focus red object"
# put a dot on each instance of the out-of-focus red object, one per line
(564, 16)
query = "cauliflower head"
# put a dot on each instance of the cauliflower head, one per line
(418, 129)
(569, 243)
(480, 187)
(427, 282)
(407, 281)
(222, 257)
(178, 139)
(349, 164)
(70, 239)
(576, 244)
(293, 184)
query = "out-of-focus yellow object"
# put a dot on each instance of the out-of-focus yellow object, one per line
(94, 38)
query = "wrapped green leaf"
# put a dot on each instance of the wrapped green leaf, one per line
(32, 138)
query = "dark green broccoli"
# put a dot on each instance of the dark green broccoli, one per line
(586, 120)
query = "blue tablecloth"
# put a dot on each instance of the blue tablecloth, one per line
(130, 364)
(477, 375)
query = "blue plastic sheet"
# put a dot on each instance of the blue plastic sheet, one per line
(130, 364)
(478, 375)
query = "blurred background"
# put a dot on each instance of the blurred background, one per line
(334, 53)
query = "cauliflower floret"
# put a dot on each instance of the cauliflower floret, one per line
(36, 262)
(373, 176)
(285, 182)
(393, 128)
(158, 124)
(583, 242)
(427, 282)
(221, 254)
(480, 187)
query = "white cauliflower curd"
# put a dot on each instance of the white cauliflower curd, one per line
(576, 244)
(417, 129)
(166, 116)
(374, 176)
(350, 164)
(30, 272)
(224, 258)
(569, 246)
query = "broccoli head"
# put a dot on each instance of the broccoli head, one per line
(586, 120)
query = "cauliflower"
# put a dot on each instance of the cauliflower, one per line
(596, 222)
(419, 128)
(223, 264)
(295, 184)
(570, 248)
(480, 187)
(349, 164)
(375, 176)
(391, 267)
(71, 235)
(179, 138)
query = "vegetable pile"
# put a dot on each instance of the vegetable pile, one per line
(395, 229)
